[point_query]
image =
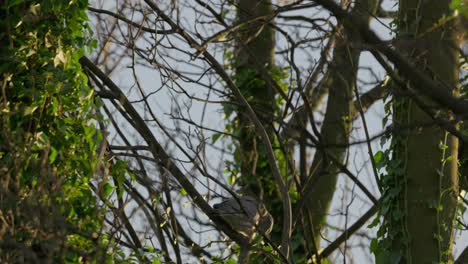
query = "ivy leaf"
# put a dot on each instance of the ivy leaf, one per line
(379, 159)
(55, 105)
(107, 189)
(231, 179)
(374, 245)
(460, 6)
(60, 58)
(455, 4)
(215, 137)
(374, 223)
(231, 261)
(29, 110)
(53, 155)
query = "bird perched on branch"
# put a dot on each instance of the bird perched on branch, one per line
(247, 217)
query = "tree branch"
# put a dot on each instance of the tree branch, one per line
(287, 217)
(162, 158)
(423, 83)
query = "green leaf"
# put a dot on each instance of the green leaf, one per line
(440, 207)
(53, 155)
(231, 179)
(378, 156)
(55, 105)
(455, 4)
(30, 109)
(374, 245)
(120, 182)
(268, 248)
(231, 261)
(107, 189)
(215, 137)
(379, 159)
(374, 223)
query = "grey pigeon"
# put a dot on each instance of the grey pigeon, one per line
(247, 218)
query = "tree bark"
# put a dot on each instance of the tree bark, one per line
(430, 184)
(337, 122)
(255, 48)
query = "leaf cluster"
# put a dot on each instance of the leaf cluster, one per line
(48, 138)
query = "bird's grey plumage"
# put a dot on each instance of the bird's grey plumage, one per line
(247, 216)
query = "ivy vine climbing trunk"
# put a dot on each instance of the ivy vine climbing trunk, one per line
(254, 51)
(422, 180)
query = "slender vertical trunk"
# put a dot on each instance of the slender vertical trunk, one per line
(337, 122)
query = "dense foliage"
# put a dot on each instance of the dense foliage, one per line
(48, 139)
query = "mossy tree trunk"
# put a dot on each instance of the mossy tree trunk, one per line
(254, 53)
(255, 49)
(425, 156)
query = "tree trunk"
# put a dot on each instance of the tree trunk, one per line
(341, 81)
(255, 49)
(426, 156)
